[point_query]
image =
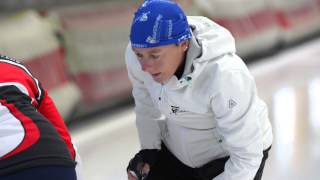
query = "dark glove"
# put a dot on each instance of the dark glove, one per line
(145, 156)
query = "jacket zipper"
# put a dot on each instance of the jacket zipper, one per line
(161, 93)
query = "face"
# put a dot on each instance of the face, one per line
(163, 61)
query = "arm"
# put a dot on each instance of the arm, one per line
(238, 123)
(146, 114)
(146, 122)
(48, 109)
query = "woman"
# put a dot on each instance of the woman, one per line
(198, 114)
(34, 141)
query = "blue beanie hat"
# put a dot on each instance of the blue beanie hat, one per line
(158, 23)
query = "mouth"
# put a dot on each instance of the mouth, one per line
(156, 75)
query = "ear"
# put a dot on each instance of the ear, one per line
(184, 45)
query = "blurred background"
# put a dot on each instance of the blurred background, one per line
(76, 49)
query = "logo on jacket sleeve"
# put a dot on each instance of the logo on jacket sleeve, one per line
(232, 103)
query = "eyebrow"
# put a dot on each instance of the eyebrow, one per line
(151, 51)
(155, 51)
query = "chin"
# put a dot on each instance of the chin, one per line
(158, 81)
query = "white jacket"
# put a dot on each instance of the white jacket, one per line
(213, 111)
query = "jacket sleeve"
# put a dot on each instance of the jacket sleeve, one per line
(239, 124)
(146, 114)
(48, 109)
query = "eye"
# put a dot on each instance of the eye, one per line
(139, 56)
(155, 56)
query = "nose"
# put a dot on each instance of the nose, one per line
(147, 65)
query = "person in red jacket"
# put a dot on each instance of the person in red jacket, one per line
(34, 141)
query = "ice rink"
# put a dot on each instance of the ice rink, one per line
(288, 81)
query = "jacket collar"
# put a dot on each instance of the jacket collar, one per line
(194, 52)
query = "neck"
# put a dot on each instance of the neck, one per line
(180, 69)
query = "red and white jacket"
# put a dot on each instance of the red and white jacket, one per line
(32, 132)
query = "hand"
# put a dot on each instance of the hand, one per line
(144, 172)
(131, 176)
(140, 165)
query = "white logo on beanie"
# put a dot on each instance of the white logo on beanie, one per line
(155, 31)
(143, 17)
(170, 29)
(151, 40)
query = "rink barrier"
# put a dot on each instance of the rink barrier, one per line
(297, 19)
(49, 68)
(95, 40)
(262, 34)
(254, 25)
(108, 84)
(30, 39)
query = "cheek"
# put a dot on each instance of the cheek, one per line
(176, 60)
(171, 66)
(169, 63)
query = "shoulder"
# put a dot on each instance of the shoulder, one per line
(9, 64)
(13, 71)
(228, 73)
(204, 24)
(15, 74)
(233, 85)
(12, 67)
(230, 63)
